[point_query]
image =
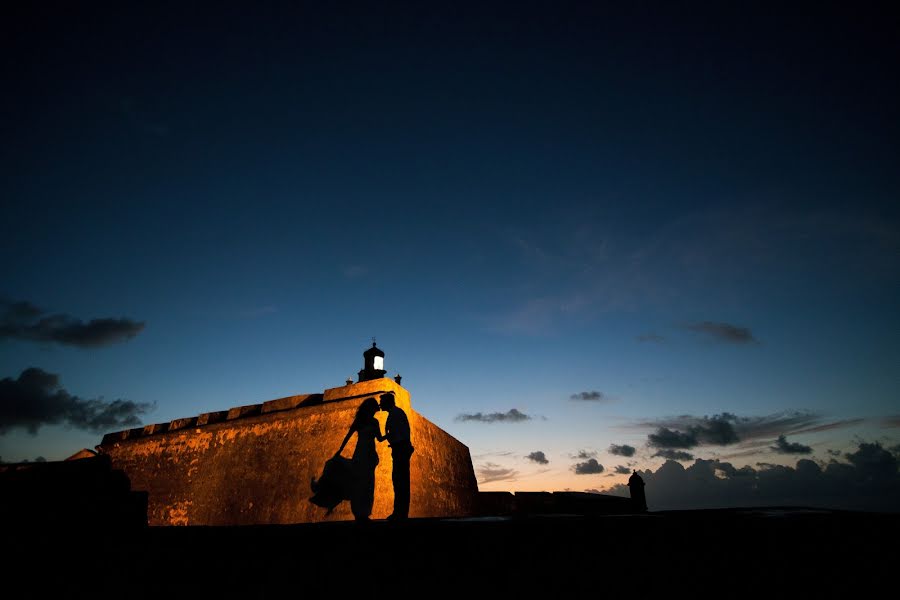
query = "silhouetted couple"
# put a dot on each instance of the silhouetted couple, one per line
(365, 456)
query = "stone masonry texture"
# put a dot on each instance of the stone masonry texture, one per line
(254, 464)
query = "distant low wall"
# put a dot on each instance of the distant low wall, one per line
(85, 495)
(254, 464)
(538, 503)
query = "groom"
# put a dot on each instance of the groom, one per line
(396, 430)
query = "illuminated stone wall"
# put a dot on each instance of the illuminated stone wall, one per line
(253, 464)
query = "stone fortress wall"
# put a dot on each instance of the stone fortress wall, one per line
(254, 464)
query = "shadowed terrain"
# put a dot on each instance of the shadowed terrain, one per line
(723, 553)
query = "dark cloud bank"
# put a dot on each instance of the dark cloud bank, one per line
(592, 396)
(866, 479)
(538, 457)
(35, 399)
(670, 454)
(25, 321)
(687, 431)
(667, 438)
(39, 459)
(623, 450)
(511, 416)
(589, 467)
(782, 446)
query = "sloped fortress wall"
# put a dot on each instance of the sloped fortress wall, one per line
(254, 464)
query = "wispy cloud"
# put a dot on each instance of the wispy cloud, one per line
(355, 271)
(494, 453)
(723, 332)
(513, 415)
(584, 454)
(489, 472)
(892, 421)
(652, 338)
(829, 426)
(536, 316)
(577, 269)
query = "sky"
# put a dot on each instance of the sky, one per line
(591, 238)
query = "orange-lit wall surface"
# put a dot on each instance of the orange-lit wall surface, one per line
(254, 464)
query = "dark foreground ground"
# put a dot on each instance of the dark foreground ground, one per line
(689, 554)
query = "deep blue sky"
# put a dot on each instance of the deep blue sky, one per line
(521, 203)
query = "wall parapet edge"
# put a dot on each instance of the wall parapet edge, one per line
(298, 401)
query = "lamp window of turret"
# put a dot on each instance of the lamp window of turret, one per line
(373, 364)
